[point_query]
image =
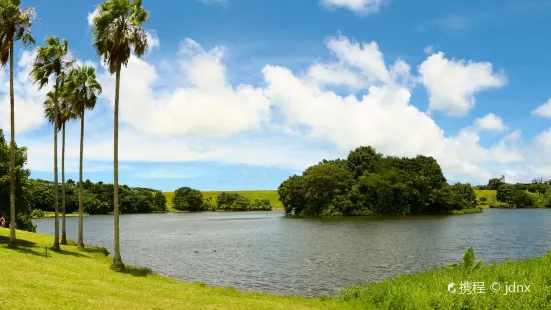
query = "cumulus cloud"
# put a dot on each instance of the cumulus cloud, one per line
(452, 83)
(543, 110)
(490, 122)
(203, 104)
(201, 116)
(29, 114)
(360, 7)
(383, 118)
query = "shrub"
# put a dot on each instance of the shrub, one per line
(37, 214)
(188, 199)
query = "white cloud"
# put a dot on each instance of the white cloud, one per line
(203, 103)
(491, 122)
(166, 173)
(152, 40)
(93, 15)
(28, 111)
(383, 118)
(543, 110)
(200, 116)
(452, 83)
(361, 7)
(429, 49)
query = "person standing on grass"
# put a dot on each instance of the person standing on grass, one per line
(2, 221)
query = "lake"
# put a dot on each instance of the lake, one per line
(270, 252)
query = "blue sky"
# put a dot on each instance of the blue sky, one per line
(241, 94)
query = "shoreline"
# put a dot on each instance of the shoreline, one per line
(82, 279)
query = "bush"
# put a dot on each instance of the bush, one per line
(261, 205)
(37, 214)
(188, 199)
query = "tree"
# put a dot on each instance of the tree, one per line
(495, 183)
(15, 25)
(160, 202)
(66, 114)
(22, 182)
(118, 31)
(52, 59)
(363, 160)
(187, 199)
(82, 90)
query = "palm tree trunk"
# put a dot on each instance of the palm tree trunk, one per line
(63, 227)
(13, 240)
(117, 260)
(80, 243)
(56, 189)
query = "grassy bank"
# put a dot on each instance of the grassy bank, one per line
(48, 214)
(429, 289)
(82, 280)
(265, 194)
(490, 196)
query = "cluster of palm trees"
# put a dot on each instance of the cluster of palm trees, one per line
(118, 33)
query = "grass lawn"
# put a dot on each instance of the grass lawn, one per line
(52, 214)
(490, 196)
(271, 195)
(82, 280)
(429, 289)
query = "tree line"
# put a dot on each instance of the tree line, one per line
(369, 183)
(192, 200)
(97, 197)
(536, 194)
(118, 33)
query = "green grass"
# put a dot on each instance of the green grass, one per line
(48, 214)
(429, 289)
(75, 279)
(490, 196)
(82, 280)
(271, 195)
(467, 211)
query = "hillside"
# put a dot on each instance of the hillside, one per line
(263, 194)
(82, 280)
(273, 196)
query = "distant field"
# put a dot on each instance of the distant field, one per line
(489, 194)
(266, 194)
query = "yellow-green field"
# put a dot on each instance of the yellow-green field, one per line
(273, 196)
(266, 194)
(48, 214)
(489, 194)
(76, 279)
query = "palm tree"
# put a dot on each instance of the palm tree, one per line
(82, 90)
(52, 58)
(66, 114)
(15, 25)
(118, 31)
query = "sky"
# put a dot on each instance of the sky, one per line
(239, 94)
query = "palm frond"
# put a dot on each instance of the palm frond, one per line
(118, 31)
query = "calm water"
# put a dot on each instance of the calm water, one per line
(269, 252)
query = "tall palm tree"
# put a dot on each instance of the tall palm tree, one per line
(15, 25)
(118, 31)
(66, 114)
(82, 90)
(53, 58)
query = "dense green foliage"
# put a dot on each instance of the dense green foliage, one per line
(188, 199)
(369, 183)
(98, 198)
(22, 193)
(536, 194)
